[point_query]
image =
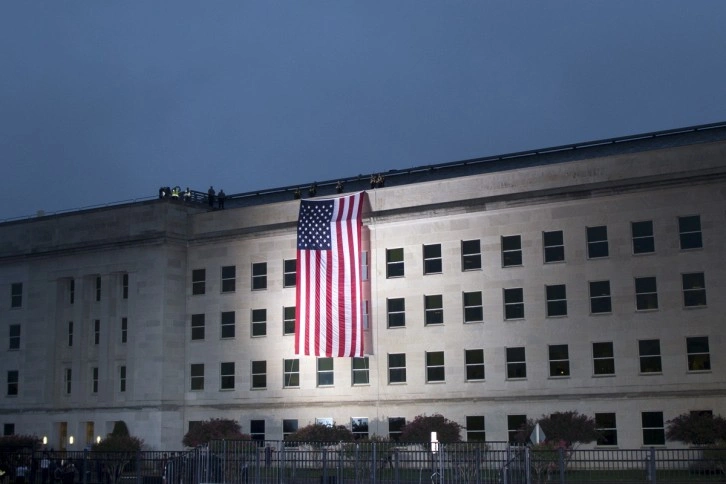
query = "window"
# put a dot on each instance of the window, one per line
(16, 295)
(606, 427)
(326, 377)
(257, 430)
(229, 278)
(68, 380)
(70, 333)
(94, 379)
(435, 366)
(649, 350)
(514, 303)
(554, 246)
(197, 376)
(259, 375)
(434, 309)
(228, 324)
(226, 375)
(515, 423)
(199, 281)
(359, 427)
(559, 360)
(474, 362)
(473, 308)
(291, 373)
(395, 427)
(124, 330)
(327, 421)
(96, 331)
(396, 309)
(603, 358)
(556, 300)
(364, 265)
(98, 288)
(689, 229)
(289, 272)
(600, 297)
(646, 294)
(397, 368)
(14, 337)
(259, 322)
(289, 426)
(71, 291)
(470, 255)
(360, 368)
(699, 357)
(122, 378)
(259, 276)
(432, 259)
(516, 364)
(8, 429)
(394, 263)
(12, 383)
(475, 430)
(512, 251)
(125, 286)
(643, 240)
(288, 320)
(597, 242)
(197, 326)
(694, 290)
(653, 429)
(365, 317)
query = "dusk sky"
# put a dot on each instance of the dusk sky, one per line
(104, 101)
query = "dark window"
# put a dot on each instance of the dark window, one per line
(68, 380)
(96, 331)
(395, 427)
(434, 309)
(257, 430)
(14, 337)
(199, 281)
(122, 378)
(514, 303)
(432, 259)
(559, 360)
(516, 364)
(226, 375)
(197, 376)
(12, 383)
(646, 293)
(227, 329)
(556, 300)
(643, 240)
(8, 429)
(259, 374)
(699, 356)
(515, 423)
(694, 289)
(475, 430)
(288, 320)
(289, 273)
(474, 361)
(289, 426)
(291, 373)
(394, 263)
(98, 288)
(603, 358)
(229, 278)
(71, 291)
(600, 297)
(512, 251)
(470, 255)
(326, 375)
(259, 322)
(197, 326)
(16, 295)
(70, 333)
(94, 379)
(125, 286)
(435, 366)
(360, 368)
(396, 312)
(124, 330)
(397, 368)
(259, 276)
(597, 242)
(359, 427)
(473, 308)
(554, 246)
(689, 229)
(649, 351)
(607, 428)
(653, 428)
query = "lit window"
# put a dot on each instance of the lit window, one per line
(653, 428)
(470, 255)
(597, 242)
(554, 246)
(394, 263)
(226, 375)
(197, 326)
(229, 279)
(16, 295)
(289, 273)
(689, 229)
(396, 309)
(397, 368)
(600, 297)
(474, 362)
(434, 309)
(360, 368)
(649, 351)
(326, 376)
(512, 251)
(606, 427)
(197, 376)
(516, 363)
(559, 360)
(227, 327)
(432, 259)
(556, 300)
(288, 320)
(699, 356)
(199, 281)
(259, 276)
(603, 358)
(514, 303)
(435, 370)
(473, 308)
(646, 294)
(291, 373)
(475, 430)
(359, 427)
(643, 240)
(259, 322)
(259, 374)
(694, 289)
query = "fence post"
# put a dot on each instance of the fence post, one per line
(477, 461)
(651, 466)
(138, 467)
(325, 465)
(505, 467)
(561, 455)
(527, 465)
(395, 462)
(374, 459)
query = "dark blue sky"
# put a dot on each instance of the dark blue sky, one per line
(103, 101)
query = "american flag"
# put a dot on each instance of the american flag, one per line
(328, 320)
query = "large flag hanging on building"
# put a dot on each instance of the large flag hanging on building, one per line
(328, 319)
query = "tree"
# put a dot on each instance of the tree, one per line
(321, 433)
(120, 429)
(571, 427)
(118, 449)
(420, 428)
(697, 428)
(214, 429)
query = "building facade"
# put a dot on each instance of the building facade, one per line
(585, 278)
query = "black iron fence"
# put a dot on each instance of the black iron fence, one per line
(243, 462)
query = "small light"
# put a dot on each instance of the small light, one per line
(98, 439)
(45, 440)
(70, 440)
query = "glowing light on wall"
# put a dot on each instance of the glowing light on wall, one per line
(70, 440)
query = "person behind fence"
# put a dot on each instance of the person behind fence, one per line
(175, 192)
(68, 473)
(20, 472)
(210, 196)
(44, 468)
(221, 198)
(187, 195)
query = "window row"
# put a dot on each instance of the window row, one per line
(13, 381)
(228, 324)
(553, 244)
(72, 330)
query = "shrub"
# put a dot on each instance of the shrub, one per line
(420, 428)
(321, 433)
(214, 429)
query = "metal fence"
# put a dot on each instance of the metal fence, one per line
(254, 462)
